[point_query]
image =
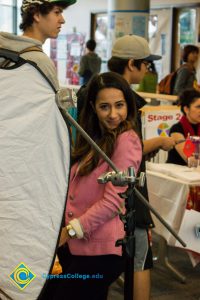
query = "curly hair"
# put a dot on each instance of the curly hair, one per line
(187, 97)
(44, 9)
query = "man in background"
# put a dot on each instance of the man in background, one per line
(90, 63)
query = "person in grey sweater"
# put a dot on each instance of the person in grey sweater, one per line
(90, 63)
(186, 74)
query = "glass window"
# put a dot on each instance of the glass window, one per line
(187, 26)
(6, 19)
(6, 2)
(19, 3)
(100, 36)
(153, 26)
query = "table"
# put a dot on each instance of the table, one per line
(170, 196)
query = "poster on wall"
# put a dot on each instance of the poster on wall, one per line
(128, 23)
(122, 23)
(66, 52)
(122, 26)
(139, 25)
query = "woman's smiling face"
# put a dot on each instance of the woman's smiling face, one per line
(111, 107)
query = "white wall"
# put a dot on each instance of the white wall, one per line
(78, 15)
(154, 3)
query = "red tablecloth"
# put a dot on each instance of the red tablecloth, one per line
(193, 201)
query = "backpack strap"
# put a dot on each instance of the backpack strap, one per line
(6, 62)
(30, 49)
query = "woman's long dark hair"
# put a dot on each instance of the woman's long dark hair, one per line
(83, 152)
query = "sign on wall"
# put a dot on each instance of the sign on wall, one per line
(126, 22)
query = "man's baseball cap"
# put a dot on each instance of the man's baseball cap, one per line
(27, 3)
(133, 46)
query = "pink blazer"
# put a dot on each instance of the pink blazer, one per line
(97, 206)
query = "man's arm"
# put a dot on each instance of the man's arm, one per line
(160, 142)
(180, 146)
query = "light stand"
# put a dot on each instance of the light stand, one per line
(122, 179)
(128, 219)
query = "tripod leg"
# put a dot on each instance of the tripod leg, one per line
(164, 260)
(120, 281)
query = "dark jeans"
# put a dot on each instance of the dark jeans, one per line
(88, 277)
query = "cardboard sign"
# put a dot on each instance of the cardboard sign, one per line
(158, 120)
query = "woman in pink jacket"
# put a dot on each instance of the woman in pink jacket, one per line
(90, 259)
